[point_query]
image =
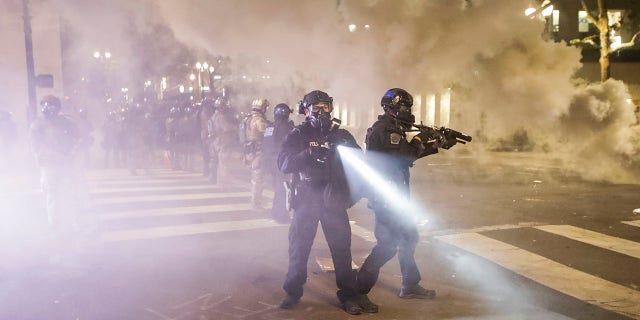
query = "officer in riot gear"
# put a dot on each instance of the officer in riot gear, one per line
(8, 135)
(256, 124)
(56, 141)
(273, 137)
(396, 232)
(322, 195)
(223, 137)
(204, 114)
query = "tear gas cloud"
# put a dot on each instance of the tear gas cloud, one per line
(504, 75)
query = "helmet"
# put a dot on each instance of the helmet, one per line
(221, 102)
(82, 113)
(175, 111)
(260, 105)
(320, 118)
(398, 102)
(281, 111)
(312, 98)
(50, 105)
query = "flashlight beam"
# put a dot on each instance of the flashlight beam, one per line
(383, 188)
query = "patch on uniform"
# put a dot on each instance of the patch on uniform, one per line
(268, 132)
(395, 137)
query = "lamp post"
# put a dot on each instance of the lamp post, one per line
(104, 58)
(31, 78)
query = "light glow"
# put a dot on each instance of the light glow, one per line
(529, 11)
(394, 198)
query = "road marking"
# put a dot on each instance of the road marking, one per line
(635, 223)
(176, 211)
(616, 244)
(109, 175)
(362, 232)
(189, 229)
(170, 197)
(146, 181)
(578, 284)
(480, 229)
(138, 189)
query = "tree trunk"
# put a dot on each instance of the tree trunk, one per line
(605, 66)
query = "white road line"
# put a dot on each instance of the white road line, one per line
(145, 181)
(362, 232)
(480, 229)
(578, 284)
(176, 211)
(166, 188)
(166, 197)
(126, 175)
(190, 229)
(616, 244)
(635, 223)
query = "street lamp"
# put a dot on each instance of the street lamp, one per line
(204, 67)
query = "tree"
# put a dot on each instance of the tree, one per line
(604, 29)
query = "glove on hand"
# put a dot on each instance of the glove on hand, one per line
(448, 143)
(318, 153)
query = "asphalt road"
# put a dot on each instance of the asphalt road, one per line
(511, 238)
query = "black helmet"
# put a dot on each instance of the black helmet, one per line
(320, 118)
(398, 102)
(221, 102)
(281, 111)
(175, 111)
(50, 105)
(312, 98)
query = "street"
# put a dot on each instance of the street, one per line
(511, 238)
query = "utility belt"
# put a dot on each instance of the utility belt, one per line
(310, 181)
(300, 184)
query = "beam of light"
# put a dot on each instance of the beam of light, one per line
(388, 191)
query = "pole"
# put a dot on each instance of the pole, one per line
(31, 78)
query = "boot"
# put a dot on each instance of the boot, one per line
(351, 306)
(366, 304)
(416, 292)
(288, 302)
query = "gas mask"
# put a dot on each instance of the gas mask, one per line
(403, 113)
(320, 116)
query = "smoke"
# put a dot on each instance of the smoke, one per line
(504, 76)
(602, 131)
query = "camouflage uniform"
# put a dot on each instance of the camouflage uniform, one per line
(223, 136)
(204, 114)
(56, 142)
(256, 126)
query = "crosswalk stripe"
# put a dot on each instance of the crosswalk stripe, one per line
(138, 189)
(578, 284)
(190, 229)
(616, 244)
(168, 197)
(635, 223)
(111, 177)
(176, 211)
(145, 181)
(362, 232)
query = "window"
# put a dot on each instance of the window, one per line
(555, 20)
(583, 22)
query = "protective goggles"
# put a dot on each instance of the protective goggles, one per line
(326, 107)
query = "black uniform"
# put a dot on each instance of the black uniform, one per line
(274, 136)
(394, 231)
(322, 196)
